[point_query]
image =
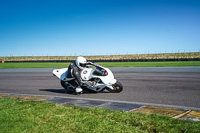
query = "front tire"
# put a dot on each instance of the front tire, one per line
(117, 87)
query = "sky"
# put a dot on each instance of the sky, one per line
(98, 27)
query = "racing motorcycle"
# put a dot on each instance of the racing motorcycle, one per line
(103, 78)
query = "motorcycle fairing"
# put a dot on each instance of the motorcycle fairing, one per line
(108, 80)
(62, 74)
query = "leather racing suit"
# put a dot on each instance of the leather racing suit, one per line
(75, 71)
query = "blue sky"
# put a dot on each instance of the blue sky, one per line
(98, 27)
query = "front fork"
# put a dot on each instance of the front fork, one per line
(110, 86)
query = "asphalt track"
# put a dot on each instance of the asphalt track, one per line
(176, 86)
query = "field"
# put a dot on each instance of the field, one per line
(30, 116)
(105, 64)
(104, 58)
(107, 57)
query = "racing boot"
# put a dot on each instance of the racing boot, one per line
(78, 90)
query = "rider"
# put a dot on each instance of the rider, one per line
(74, 70)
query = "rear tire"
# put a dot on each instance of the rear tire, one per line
(117, 87)
(66, 85)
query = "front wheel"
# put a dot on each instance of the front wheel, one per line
(117, 87)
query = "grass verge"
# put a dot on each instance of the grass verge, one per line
(105, 64)
(151, 64)
(31, 116)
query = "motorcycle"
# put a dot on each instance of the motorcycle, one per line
(103, 78)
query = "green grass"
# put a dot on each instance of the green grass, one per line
(151, 64)
(34, 65)
(105, 64)
(29, 116)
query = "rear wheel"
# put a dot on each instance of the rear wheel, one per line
(69, 87)
(117, 87)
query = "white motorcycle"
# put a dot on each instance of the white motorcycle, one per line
(103, 78)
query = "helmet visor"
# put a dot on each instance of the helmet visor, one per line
(83, 64)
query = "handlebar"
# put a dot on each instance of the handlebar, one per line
(93, 64)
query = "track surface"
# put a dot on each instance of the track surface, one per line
(170, 88)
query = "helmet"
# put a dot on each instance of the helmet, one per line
(81, 62)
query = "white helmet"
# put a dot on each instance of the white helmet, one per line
(81, 62)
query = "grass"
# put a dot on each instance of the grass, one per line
(34, 65)
(105, 64)
(18, 116)
(151, 64)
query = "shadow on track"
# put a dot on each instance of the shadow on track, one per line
(68, 92)
(55, 90)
